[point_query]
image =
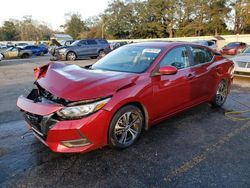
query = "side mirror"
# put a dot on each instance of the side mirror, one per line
(168, 70)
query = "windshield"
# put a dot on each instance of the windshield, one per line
(128, 59)
(247, 50)
(75, 43)
(9, 49)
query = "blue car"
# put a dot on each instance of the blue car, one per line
(36, 50)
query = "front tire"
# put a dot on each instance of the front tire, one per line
(125, 127)
(71, 56)
(221, 94)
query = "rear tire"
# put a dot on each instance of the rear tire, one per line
(125, 127)
(101, 54)
(221, 94)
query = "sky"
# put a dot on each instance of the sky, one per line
(50, 11)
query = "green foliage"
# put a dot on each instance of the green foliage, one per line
(26, 29)
(124, 19)
(168, 18)
(8, 31)
(75, 25)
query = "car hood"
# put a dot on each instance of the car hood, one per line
(74, 83)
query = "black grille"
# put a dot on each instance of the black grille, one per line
(242, 64)
(39, 123)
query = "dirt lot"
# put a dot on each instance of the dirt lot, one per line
(198, 148)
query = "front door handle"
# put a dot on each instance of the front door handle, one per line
(190, 76)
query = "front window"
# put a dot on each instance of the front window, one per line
(133, 59)
(75, 43)
(177, 57)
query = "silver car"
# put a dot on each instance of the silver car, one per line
(209, 43)
(242, 63)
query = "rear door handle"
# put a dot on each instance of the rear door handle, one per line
(190, 76)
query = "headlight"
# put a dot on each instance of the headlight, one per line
(76, 112)
(62, 50)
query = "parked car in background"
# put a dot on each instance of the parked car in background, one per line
(78, 109)
(21, 44)
(10, 44)
(16, 52)
(36, 50)
(233, 48)
(3, 48)
(115, 45)
(83, 48)
(52, 49)
(209, 43)
(242, 63)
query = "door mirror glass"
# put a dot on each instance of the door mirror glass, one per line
(168, 70)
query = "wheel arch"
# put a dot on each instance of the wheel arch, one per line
(133, 103)
(140, 106)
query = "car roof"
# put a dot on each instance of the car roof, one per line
(159, 44)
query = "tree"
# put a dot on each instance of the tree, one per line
(216, 16)
(241, 15)
(9, 31)
(75, 25)
(32, 30)
(118, 18)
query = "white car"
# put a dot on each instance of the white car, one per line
(209, 43)
(242, 63)
(1, 57)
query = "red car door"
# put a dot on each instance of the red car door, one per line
(171, 92)
(202, 83)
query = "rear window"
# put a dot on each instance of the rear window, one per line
(91, 42)
(201, 55)
(103, 41)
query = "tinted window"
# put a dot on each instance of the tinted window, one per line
(83, 42)
(103, 41)
(233, 44)
(177, 57)
(201, 55)
(211, 43)
(91, 42)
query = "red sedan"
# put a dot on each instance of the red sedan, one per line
(78, 109)
(233, 48)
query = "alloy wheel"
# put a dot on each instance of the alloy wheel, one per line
(71, 56)
(128, 127)
(221, 93)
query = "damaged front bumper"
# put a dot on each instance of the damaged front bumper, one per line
(61, 135)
